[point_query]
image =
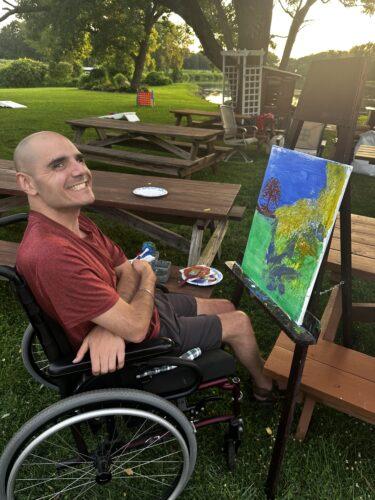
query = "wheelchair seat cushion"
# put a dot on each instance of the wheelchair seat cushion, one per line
(214, 364)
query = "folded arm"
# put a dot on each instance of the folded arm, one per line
(127, 281)
(131, 320)
(128, 320)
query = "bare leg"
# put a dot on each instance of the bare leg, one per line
(214, 306)
(239, 334)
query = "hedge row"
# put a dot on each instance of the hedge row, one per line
(100, 79)
(30, 73)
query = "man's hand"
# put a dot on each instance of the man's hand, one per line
(143, 268)
(107, 351)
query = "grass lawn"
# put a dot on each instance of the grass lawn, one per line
(337, 459)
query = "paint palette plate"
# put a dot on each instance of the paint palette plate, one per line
(212, 277)
(150, 192)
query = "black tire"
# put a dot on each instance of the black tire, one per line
(155, 426)
(35, 360)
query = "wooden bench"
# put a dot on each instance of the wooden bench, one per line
(333, 375)
(363, 248)
(176, 167)
(8, 250)
(142, 142)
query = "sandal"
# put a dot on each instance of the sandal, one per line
(264, 396)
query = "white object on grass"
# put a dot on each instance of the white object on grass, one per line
(11, 104)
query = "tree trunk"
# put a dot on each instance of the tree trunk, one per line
(297, 22)
(192, 14)
(140, 59)
(224, 25)
(254, 23)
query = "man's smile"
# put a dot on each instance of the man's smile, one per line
(79, 185)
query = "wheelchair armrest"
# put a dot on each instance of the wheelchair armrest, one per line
(134, 352)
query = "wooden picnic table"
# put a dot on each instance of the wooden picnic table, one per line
(212, 117)
(111, 132)
(193, 203)
(366, 153)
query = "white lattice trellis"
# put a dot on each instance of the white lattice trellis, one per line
(242, 85)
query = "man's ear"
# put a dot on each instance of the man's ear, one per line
(26, 183)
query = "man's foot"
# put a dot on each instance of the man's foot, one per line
(264, 396)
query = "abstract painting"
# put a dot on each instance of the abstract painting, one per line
(295, 214)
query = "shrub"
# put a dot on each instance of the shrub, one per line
(85, 82)
(98, 74)
(177, 75)
(107, 86)
(23, 73)
(77, 69)
(120, 81)
(60, 73)
(157, 78)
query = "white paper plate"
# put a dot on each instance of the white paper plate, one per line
(150, 191)
(214, 277)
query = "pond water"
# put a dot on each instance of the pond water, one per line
(211, 91)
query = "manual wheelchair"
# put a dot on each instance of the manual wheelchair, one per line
(113, 435)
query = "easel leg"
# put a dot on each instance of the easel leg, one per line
(286, 419)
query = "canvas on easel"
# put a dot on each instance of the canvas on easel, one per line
(295, 214)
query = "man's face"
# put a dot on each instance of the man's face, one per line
(59, 175)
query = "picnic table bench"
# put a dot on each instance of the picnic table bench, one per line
(110, 132)
(211, 117)
(334, 375)
(198, 204)
(367, 153)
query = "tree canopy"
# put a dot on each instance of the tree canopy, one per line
(125, 28)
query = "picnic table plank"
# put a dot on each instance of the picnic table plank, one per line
(186, 203)
(200, 112)
(186, 198)
(345, 389)
(367, 153)
(199, 134)
(160, 136)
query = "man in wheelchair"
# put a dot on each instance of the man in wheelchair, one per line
(84, 281)
(82, 296)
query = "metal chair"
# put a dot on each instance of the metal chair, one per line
(234, 135)
(310, 139)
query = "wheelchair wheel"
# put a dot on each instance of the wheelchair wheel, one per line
(35, 360)
(102, 444)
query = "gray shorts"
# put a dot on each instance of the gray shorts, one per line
(179, 322)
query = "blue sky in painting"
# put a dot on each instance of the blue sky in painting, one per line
(300, 175)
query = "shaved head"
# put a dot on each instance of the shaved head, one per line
(27, 154)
